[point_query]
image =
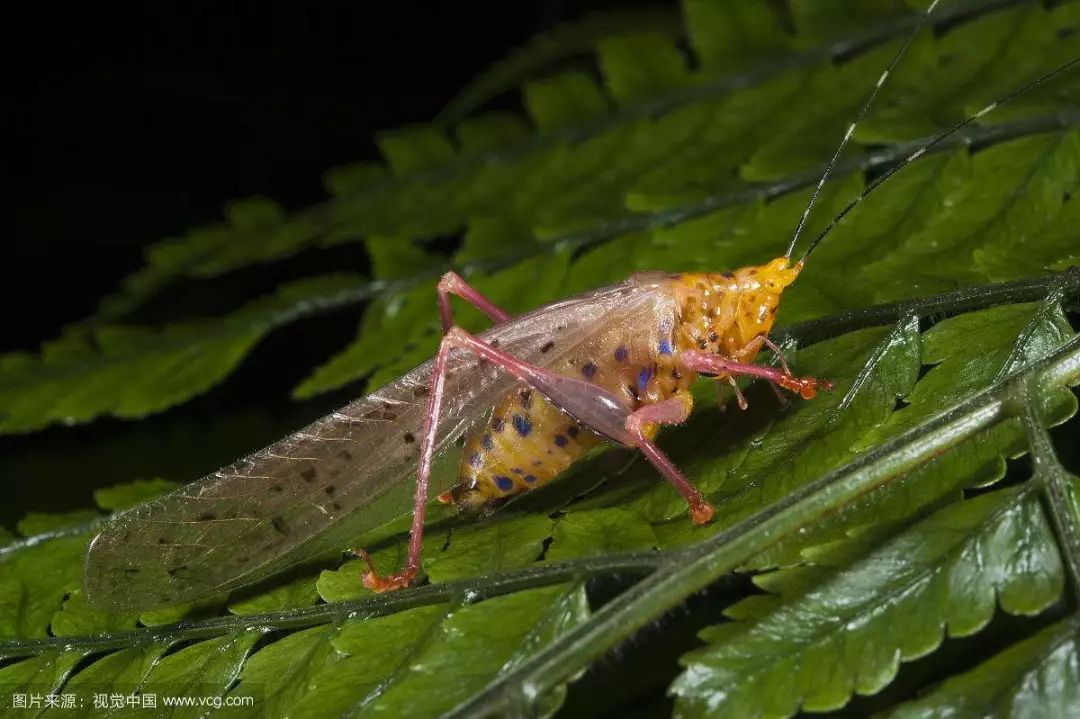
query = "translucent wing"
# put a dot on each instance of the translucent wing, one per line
(310, 493)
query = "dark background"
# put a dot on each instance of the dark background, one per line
(131, 122)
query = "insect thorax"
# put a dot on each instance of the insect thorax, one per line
(725, 312)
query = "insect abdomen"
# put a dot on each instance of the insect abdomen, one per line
(527, 442)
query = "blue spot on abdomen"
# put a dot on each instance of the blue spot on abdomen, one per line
(665, 347)
(643, 377)
(504, 483)
(522, 425)
(560, 440)
(589, 370)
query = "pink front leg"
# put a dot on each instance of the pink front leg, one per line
(705, 363)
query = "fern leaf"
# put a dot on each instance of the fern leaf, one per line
(1037, 677)
(848, 633)
(131, 372)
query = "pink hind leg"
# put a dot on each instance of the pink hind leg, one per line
(593, 405)
(371, 578)
(453, 284)
(669, 411)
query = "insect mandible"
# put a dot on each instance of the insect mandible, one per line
(531, 396)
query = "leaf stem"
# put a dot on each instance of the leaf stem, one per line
(464, 591)
(1054, 481)
(948, 304)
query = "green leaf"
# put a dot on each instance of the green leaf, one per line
(204, 670)
(133, 372)
(33, 583)
(1037, 677)
(600, 531)
(555, 45)
(122, 496)
(428, 659)
(849, 630)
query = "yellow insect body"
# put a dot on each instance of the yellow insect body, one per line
(528, 440)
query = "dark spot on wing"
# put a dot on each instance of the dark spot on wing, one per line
(409, 438)
(589, 370)
(344, 454)
(547, 346)
(207, 517)
(131, 570)
(279, 525)
(164, 540)
(176, 570)
(308, 475)
(421, 392)
(278, 488)
(389, 416)
(335, 506)
(525, 397)
(329, 489)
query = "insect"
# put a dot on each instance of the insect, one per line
(529, 396)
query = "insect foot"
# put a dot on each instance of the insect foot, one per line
(390, 582)
(701, 513)
(807, 387)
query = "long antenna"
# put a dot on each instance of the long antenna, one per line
(851, 128)
(922, 150)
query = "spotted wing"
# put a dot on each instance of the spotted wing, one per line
(310, 493)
